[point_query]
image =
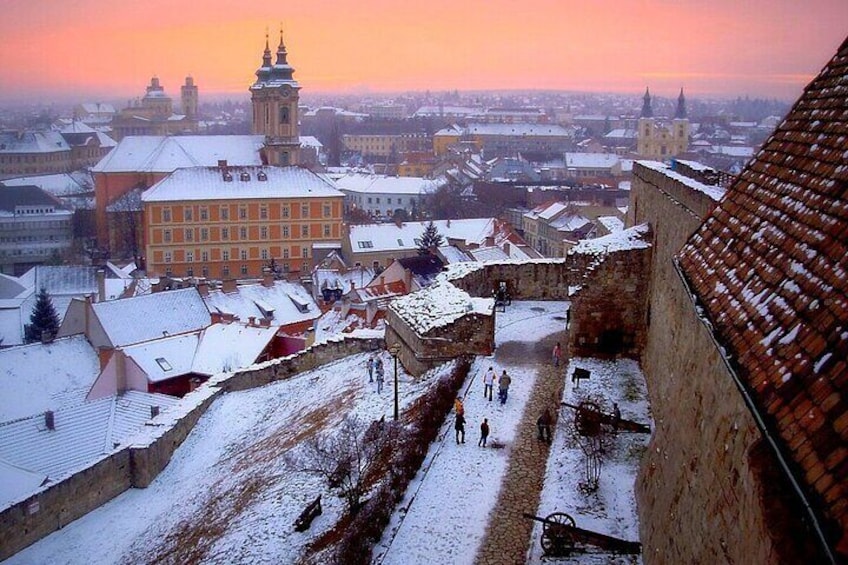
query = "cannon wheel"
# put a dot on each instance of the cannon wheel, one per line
(587, 418)
(557, 540)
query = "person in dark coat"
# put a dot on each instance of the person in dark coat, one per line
(459, 426)
(503, 386)
(484, 432)
(378, 368)
(543, 426)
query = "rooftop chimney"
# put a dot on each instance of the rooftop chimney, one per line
(49, 420)
(251, 321)
(222, 164)
(154, 411)
(101, 285)
(267, 278)
(203, 288)
(229, 286)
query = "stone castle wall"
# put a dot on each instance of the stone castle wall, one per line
(697, 490)
(137, 465)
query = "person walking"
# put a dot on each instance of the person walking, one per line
(484, 432)
(543, 426)
(616, 416)
(378, 368)
(370, 366)
(557, 354)
(459, 426)
(503, 386)
(489, 383)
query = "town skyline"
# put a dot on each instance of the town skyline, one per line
(94, 49)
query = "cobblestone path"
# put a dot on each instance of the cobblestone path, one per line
(507, 538)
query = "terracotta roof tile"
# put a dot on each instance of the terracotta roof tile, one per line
(770, 267)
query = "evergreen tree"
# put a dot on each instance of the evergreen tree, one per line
(429, 238)
(43, 319)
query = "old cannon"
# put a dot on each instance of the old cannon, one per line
(561, 537)
(588, 419)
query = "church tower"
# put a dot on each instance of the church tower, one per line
(681, 126)
(275, 96)
(645, 133)
(188, 96)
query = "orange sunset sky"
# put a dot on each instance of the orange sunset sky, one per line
(109, 49)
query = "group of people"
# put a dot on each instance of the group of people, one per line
(376, 370)
(503, 385)
(459, 424)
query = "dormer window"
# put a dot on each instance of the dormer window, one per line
(244, 176)
(261, 176)
(163, 364)
(228, 177)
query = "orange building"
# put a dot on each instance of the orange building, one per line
(231, 222)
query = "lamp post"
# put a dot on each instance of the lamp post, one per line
(395, 350)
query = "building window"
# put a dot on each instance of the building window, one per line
(304, 210)
(264, 254)
(204, 256)
(189, 272)
(263, 232)
(285, 252)
(244, 269)
(304, 252)
(304, 230)
(168, 271)
(263, 212)
(242, 212)
(285, 210)
(167, 256)
(365, 244)
(225, 212)
(388, 200)
(166, 214)
(189, 234)
(242, 232)
(225, 255)
(285, 231)
(189, 256)
(204, 213)
(225, 271)
(225, 234)
(284, 114)
(204, 234)
(328, 210)
(326, 230)
(204, 271)
(243, 254)
(187, 215)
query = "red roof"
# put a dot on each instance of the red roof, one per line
(770, 267)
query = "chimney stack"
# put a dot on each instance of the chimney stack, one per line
(203, 288)
(101, 285)
(506, 248)
(50, 420)
(228, 286)
(154, 411)
(251, 321)
(267, 278)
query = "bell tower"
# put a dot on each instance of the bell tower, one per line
(645, 134)
(275, 96)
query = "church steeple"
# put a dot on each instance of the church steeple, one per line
(266, 56)
(281, 51)
(680, 113)
(647, 111)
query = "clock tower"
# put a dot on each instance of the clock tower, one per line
(275, 96)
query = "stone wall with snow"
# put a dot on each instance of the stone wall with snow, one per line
(697, 475)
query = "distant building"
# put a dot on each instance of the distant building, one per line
(658, 140)
(74, 147)
(386, 110)
(384, 144)
(381, 196)
(34, 228)
(154, 114)
(554, 228)
(227, 222)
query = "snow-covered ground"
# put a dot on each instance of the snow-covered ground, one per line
(610, 510)
(445, 512)
(228, 496)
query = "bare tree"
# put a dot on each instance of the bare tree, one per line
(350, 457)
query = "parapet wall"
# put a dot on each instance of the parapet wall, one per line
(547, 279)
(137, 464)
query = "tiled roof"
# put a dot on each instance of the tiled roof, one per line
(142, 318)
(770, 267)
(82, 434)
(279, 303)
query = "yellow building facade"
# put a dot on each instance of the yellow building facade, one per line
(662, 141)
(225, 223)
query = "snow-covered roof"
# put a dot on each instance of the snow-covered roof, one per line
(369, 238)
(438, 305)
(382, 184)
(714, 192)
(142, 318)
(82, 434)
(631, 238)
(60, 184)
(39, 377)
(453, 254)
(591, 160)
(310, 141)
(97, 108)
(254, 300)
(208, 183)
(228, 347)
(32, 142)
(569, 222)
(166, 358)
(530, 130)
(442, 110)
(153, 153)
(611, 223)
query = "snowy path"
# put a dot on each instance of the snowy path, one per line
(446, 511)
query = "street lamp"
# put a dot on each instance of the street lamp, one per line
(395, 350)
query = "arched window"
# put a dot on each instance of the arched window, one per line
(284, 114)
